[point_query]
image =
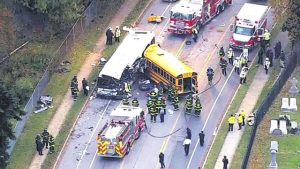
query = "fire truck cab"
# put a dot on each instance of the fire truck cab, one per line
(194, 14)
(118, 135)
(249, 26)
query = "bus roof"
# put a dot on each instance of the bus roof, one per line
(167, 61)
(127, 53)
(252, 12)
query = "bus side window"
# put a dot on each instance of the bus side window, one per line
(173, 80)
(158, 70)
(154, 68)
(193, 81)
(168, 77)
(164, 74)
(179, 82)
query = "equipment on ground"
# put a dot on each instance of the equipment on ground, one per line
(163, 67)
(185, 16)
(117, 136)
(249, 26)
(120, 69)
(155, 18)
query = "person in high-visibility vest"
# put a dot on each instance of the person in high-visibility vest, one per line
(243, 113)
(198, 107)
(230, 55)
(236, 65)
(175, 103)
(153, 96)
(231, 120)
(195, 34)
(243, 75)
(117, 34)
(188, 106)
(135, 102)
(153, 113)
(240, 121)
(51, 144)
(267, 37)
(149, 104)
(158, 104)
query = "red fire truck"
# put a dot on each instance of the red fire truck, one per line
(117, 136)
(194, 13)
(250, 24)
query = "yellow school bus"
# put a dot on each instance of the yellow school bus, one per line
(164, 67)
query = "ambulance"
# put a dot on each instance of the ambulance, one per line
(249, 27)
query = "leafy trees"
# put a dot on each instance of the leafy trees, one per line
(290, 9)
(60, 12)
(9, 109)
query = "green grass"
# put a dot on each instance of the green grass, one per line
(223, 129)
(288, 145)
(57, 87)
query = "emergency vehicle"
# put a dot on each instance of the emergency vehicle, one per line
(118, 135)
(194, 13)
(249, 27)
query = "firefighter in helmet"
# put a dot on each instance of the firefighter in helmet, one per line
(125, 101)
(135, 102)
(198, 107)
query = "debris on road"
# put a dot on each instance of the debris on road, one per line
(44, 103)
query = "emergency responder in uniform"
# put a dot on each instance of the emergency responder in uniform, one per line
(210, 75)
(223, 65)
(201, 138)
(277, 49)
(240, 121)
(195, 34)
(198, 107)
(236, 65)
(267, 37)
(230, 55)
(243, 61)
(39, 144)
(173, 93)
(153, 96)
(243, 75)
(221, 52)
(153, 113)
(149, 104)
(188, 106)
(170, 92)
(250, 119)
(74, 87)
(260, 56)
(45, 136)
(160, 92)
(282, 59)
(158, 104)
(117, 34)
(127, 87)
(135, 102)
(175, 102)
(164, 104)
(125, 101)
(267, 65)
(51, 144)
(243, 113)
(109, 36)
(85, 86)
(231, 120)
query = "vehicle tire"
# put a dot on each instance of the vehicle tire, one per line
(139, 134)
(219, 9)
(223, 6)
(127, 149)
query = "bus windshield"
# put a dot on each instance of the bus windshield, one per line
(181, 16)
(244, 31)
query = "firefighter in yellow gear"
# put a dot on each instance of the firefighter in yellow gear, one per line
(117, 34)
(153, 113)
(188, 107)
(198, 107)
(243, 113)
(240, 121)
(175, 102)
(158, 104)
(231, 120)
(149, 104)
(125, 102)
(51, 144)
(135, 102)
(127, 87)
(153, 96)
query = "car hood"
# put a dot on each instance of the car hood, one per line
(241, 38)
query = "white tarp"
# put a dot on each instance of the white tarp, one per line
(127, 53)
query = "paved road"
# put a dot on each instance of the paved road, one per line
(81, 148)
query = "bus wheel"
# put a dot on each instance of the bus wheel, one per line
(223, 6)
(139, 134)
(219, 9)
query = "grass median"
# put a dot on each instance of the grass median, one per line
(59, 84)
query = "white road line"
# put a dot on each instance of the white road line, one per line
(93, 160)
(154, 26)
(209, 116)
(92, 136)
